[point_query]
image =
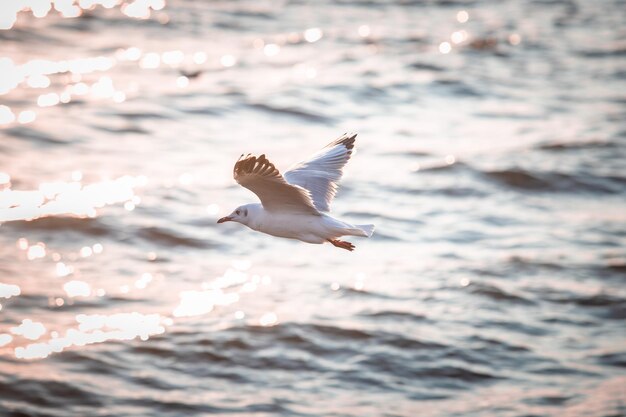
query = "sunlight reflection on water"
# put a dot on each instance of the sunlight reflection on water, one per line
(67, 199)
(96, 329)
(99, 328)
(140, 9)
(9, 290)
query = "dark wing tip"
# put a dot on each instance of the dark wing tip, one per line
(242, 164)
(347, 140)
(254, 165)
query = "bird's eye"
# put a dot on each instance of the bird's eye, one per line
(237, 212)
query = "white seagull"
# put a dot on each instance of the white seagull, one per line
(294, 205)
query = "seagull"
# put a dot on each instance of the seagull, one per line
(295, 205)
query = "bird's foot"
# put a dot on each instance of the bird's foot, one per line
(342, 244)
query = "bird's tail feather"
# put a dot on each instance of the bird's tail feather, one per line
(368, 229)
(344, 229)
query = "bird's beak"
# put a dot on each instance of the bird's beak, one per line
(225, 219)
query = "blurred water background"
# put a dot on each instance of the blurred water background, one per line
(491, 155)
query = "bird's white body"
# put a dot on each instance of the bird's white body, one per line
(300, 226)
(294, 205)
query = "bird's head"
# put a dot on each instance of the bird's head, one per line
(241, 214)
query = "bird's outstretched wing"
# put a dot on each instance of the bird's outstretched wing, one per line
(261, 177)
(321, 173)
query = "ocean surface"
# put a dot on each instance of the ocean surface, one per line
(491, 156)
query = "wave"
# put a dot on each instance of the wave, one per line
(569, 321)
(202, 111)
(601, 305)
(495, 293)
(522, 179)
(518, 179)
(527, 263)
(443, 166)
(422, 66)
(86, 226)
(508, 115)
(560, 370)
(314, 338)
(616, 266)
(19, 35)
(393, 315)
(407, 153)
(141, 115)
(549, 400)
(35, 136)
(340, 332)
(352, 292)
(597, 300)
(616, 359)
(169, 237)
(291, 112)
(169, 406)
(456, 373)
(514, 326)
(556, 181)
(123, 130)
(491, 344)
(457, 87)
(603, 53)
(95, 362)
(458, 192)
(575, 146)
(49, 393)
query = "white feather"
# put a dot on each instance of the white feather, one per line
(292, 205)
(321, 173)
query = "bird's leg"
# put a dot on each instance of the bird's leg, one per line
(342, 244)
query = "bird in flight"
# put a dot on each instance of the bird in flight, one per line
(295, 205)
